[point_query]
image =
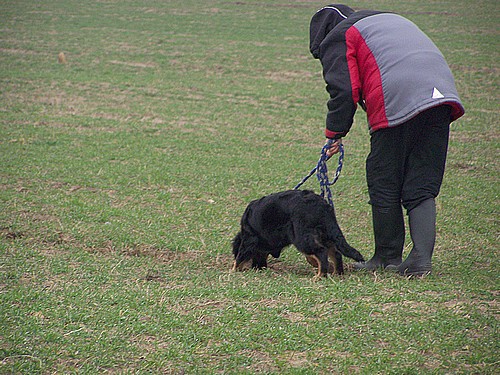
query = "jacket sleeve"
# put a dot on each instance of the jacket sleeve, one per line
(343, 101)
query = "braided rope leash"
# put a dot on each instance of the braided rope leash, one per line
(321, 170)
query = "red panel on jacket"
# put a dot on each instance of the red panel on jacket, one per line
(367, 76)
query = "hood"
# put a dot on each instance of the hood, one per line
(323, 22)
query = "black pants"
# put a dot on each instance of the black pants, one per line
(406, 163)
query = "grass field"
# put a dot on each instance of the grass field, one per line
(124, 172)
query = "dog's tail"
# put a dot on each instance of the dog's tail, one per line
(343, 247)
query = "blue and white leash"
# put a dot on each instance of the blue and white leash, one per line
(322, 172)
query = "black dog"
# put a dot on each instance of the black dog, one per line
(297, 217)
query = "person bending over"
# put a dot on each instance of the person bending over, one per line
(387, 65)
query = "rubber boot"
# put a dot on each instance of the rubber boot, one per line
(422, 220)
(389, 231)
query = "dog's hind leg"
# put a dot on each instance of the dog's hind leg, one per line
(319, 260)
(313, 262)
(309, 244)
(337, 261)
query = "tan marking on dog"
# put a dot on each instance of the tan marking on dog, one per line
(313, 259)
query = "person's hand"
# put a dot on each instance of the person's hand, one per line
(334, 148)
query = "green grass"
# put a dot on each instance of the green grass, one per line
(123, 175)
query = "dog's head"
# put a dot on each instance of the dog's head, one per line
(246, 255)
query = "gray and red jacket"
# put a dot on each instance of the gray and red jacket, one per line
(381, 61)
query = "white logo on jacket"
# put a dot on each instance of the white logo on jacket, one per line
(436, 94)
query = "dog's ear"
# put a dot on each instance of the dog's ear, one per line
(244, 251)
(236, 244)
(241, 251)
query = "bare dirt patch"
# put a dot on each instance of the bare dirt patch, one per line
(10, 234)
